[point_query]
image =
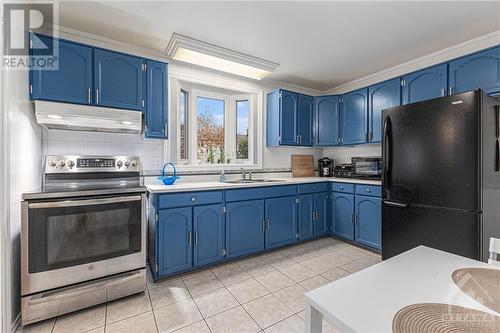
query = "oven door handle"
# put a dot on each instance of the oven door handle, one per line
(88, 202)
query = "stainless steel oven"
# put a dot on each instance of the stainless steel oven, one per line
(82, 246)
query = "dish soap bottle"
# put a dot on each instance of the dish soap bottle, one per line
(222, 176)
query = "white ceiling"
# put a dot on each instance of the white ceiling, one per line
(317, 44)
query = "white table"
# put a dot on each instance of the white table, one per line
(367, 301)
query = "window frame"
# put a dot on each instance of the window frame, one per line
(234, 100)
(186, 125)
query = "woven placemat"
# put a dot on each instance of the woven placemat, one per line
(482, 284)
(443, 318)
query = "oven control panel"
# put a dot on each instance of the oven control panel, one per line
(61, 164)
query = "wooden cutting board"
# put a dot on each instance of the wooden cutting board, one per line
(302, 166)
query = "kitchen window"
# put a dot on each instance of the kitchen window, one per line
(215, 128)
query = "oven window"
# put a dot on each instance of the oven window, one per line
(70, 236)
(367, 168)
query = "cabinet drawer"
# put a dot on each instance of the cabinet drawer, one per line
(263, 192)
(371, 190)
(188, 199)
(343, 187)
(313, 188)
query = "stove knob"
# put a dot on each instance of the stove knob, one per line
(134, 163)
(62, 164)
(119, 164)
(71, 164)
(127, 164)
(53, 163)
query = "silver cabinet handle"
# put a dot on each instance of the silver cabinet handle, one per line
(196, 237)
(97, 96)
(89, 95)
(313, 216)
(341, 187)
(352, 218)
(190, 237)
(368, 190)
(193, 199)
(262, 224)
(355, 218)
(268, 224)
(88, 202)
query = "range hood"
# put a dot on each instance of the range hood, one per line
(53, 115)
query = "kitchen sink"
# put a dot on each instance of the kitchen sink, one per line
(250, 181)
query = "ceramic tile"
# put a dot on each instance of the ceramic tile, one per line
(318, 265)
(353, 252)
(297, 272)
(335, 274)
(168, 292)
(247, 290)
(292, 297)
(178, 315)
(40, 327)
(256, 266)
(292, 324)
(267, 310)
(277, 259)
(199, 327)
(127, 307)
(81, 321)
(144, 323)
(314, 282)
(215, 302)
(97, 330)
(274, 281)
(230, 274)
(235, 320)
(201, 284)
(336, 259)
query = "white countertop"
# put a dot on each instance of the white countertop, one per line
(367, 301)
(181, 186)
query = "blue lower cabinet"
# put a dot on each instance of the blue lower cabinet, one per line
(244, 227)
(306, 211)
(425, 84)
(208, 225)
(368, 221)
(343, 215)
(321, 217)
(174, 240)
(281, 221)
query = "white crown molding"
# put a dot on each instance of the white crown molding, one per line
(193, 44)
(452, 52)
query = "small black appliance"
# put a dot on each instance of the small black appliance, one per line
(344, 170)
(367, 167)
(325, 166)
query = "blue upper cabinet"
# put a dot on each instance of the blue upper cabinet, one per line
(306, 212)
(118, 80)
(281, 221)
(244, 227)
(174, 240)
(343, 215)
(288, 117)
(71, 82)
(305, 120)
(425, 84)
(479, 70)
(381, 96)
(156, 100)
(368, 221)
(326, 121)
(354, 115)
(208, 234)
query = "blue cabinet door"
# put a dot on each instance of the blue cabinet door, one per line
(425, 84)
(306, 211)
(305, 120)
(71, 82)
(321, 222)
(480, 70)
(354, 115)
(281, 221)
(288, 117)
(326, 121)
(381, 96)
(156, 100)
(368, 221)
(343, 215)
(174, 240)
(118, 80)
(208, 234)
(244, 227)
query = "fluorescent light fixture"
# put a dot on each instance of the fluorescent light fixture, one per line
(54, 116)
(187, 49)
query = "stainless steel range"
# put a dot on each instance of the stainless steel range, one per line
(83, 238)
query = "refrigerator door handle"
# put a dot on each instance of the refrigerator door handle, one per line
(386, 152)
(395, 204)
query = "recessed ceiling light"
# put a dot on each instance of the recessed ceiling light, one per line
(204, 54)
(126, 122)
(54, 116)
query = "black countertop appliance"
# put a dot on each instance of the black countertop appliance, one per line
(325, 166)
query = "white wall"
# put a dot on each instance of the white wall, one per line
(25, 167)
(344, 154)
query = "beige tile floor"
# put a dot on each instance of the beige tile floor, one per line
(259, 294)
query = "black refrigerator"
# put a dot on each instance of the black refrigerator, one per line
(441, 179)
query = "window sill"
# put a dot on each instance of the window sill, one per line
(213, 167)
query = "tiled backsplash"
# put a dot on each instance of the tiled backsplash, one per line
(60, 142)
(344, 154)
